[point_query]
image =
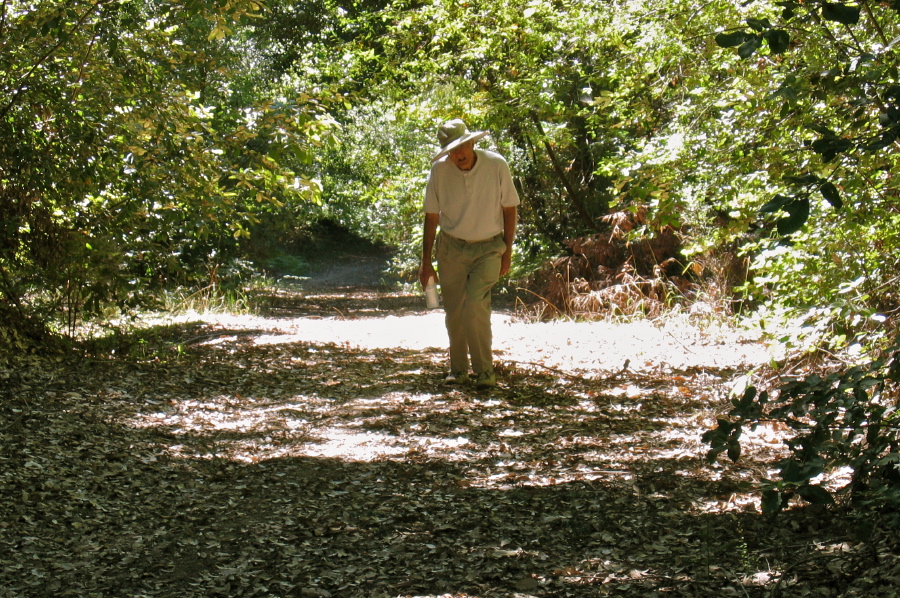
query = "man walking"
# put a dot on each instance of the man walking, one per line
(471, 196)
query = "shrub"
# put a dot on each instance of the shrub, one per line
(845, 419)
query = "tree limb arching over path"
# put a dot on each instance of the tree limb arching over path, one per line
(313, 452)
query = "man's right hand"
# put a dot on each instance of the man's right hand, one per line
(426, 271)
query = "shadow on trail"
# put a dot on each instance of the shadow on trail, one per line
(315, 469)
(293, 302)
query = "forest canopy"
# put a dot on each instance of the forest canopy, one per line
(148, 143)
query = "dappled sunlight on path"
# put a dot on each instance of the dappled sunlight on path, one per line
(320, 455)
(613, 393)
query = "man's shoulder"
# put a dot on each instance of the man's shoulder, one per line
(441, 166)
(492, 156)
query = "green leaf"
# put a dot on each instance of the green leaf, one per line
(734, 451)
(759, 24)
(730, 40)
(823, 130)
(815, 494)
(747, 399)
(712, 455)
(750, 46)
(778, 39)
(799, 214)
(805, 180)
(798, 473)
(788, 13)
(848, 15)
(831, 195)
(829, 147)
(772, 502)
(777, 203)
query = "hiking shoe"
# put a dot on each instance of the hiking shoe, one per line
(456, 378)
(486, 380)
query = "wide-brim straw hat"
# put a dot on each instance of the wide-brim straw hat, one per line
(454, 133)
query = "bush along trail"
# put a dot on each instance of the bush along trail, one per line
(313, 452)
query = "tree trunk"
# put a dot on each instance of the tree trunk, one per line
(574, 196)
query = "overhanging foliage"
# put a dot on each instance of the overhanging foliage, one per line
(137, 147)
(148, 139)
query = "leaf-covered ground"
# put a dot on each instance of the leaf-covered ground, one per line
(313, 452)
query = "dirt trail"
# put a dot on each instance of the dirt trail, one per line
(311, 451)
(345, 301)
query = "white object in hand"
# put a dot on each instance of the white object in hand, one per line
(431, 294)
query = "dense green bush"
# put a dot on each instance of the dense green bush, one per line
(820, 109)
(138, 146)
(845, 419)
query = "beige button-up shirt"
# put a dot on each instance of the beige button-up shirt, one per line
(470, 203)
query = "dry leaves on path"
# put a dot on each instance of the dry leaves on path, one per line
(320, 456)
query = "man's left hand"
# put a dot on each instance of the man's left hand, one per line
(505, 261)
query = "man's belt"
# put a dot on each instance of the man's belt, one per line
(468, 242)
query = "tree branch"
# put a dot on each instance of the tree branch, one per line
(561, 174)
(62, 40)
(2, 18)
(875, 23)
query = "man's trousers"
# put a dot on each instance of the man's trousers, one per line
(468, 271)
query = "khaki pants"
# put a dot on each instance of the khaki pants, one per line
(468, 271)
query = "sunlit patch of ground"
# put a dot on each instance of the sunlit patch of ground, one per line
(320, 456)
(559, 427)
(618, 369)
(595, 347)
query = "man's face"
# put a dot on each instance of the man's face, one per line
(464, 155)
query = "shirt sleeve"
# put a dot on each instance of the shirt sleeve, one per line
(432, 206)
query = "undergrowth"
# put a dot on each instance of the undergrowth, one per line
(845, 419)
